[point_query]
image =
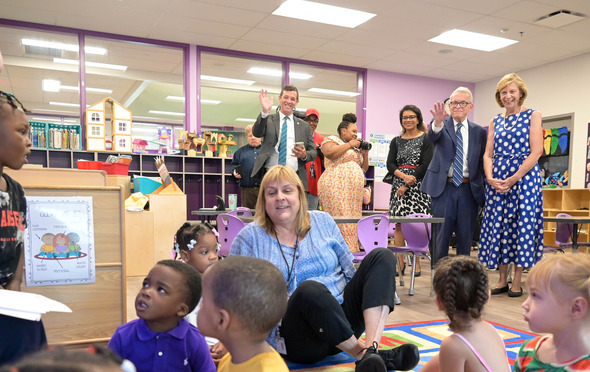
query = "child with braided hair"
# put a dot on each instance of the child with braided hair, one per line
(461, 287)
(558, 306)
(196, 244)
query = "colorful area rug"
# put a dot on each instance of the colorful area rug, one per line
(426, 335)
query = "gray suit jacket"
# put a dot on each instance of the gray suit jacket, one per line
(269, 128)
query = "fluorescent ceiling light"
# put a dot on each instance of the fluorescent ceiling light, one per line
(227, 80)
(322, 13)
(472, 40)
(65, 104)
(246, 120)
(50, 85)
(278, 73)
(90, 64)
(54, 120)
(207, 101)
(62, 46)
(166, 113)
(334, 92)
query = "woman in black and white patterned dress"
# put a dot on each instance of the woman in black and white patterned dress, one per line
(408, 158)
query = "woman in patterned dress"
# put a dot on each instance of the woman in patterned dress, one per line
(408, 158)
(512, 227)
(340, 187)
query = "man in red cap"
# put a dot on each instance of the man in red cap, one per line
(314, 167)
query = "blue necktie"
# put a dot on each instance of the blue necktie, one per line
(283, 143)
(458, 163)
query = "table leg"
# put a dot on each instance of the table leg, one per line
(432, 248)
(575, 238)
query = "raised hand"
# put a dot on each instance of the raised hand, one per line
(438, 113)
(265, 101)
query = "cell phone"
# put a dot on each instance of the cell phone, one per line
(300, 144)
(238, 169)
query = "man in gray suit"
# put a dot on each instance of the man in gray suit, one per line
(287, 139)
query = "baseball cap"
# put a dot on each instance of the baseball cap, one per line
(312, 111)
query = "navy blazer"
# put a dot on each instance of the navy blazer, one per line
(269, 128)
(444, 142)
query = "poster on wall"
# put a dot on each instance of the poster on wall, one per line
(379, 152)
(59, 241)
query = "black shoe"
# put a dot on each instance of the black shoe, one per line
(511, 293)
(371, 361)
(402, 358)
(500, 290)
(417, 274)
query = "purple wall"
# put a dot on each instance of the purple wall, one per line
(387, 93)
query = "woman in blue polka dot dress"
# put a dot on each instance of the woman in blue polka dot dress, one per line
(512, 228)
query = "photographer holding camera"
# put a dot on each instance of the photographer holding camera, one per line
(340, 188)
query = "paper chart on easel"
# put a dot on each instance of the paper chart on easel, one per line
(59, 241)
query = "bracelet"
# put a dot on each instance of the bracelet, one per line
(350, 144)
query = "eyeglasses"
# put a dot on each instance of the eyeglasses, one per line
(461, 104)
(12, 100)
(411, 117)
(312, 121)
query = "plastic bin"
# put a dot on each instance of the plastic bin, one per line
(145, 185)
(115, 168)
(86, 164)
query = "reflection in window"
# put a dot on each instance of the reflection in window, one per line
(33, 72)
(234, 103)
(330, 91)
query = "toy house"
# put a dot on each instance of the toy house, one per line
(120, 133)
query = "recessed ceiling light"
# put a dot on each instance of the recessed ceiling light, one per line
(50, 85)
(64, 104)
(181, 99)
(472, 40)
(277, 73)
(322, 13)
(334, 92)
(166, 113)
(445, 51)
(246, 120)
(90, 64)
(63, 46)
(227, 80)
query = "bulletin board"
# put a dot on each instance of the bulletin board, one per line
(379, 152)
(97, 308)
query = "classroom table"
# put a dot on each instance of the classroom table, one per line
(392, 219)
(575, 221)
(207, 213)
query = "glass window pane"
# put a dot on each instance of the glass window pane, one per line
(235, 103)
(35, 72)
(315, 84)
(147, 79)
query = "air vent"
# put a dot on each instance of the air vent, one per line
(559, 18)
(42, 51)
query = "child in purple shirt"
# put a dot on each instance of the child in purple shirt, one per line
(161, 339)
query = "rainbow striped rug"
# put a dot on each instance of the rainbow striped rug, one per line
(426, 335)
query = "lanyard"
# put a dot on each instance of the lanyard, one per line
(289, 269)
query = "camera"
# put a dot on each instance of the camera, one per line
(365, 145)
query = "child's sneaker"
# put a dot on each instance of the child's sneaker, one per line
(371, 361)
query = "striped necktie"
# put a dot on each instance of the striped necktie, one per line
(458, 163)
(283, 143)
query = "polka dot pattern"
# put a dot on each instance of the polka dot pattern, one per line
(512, 227)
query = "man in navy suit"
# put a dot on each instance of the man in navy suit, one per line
(270, 127)
(457, 191)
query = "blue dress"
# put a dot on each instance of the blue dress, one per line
(512, 227)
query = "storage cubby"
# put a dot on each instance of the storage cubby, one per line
(200, 178)
(575, 202)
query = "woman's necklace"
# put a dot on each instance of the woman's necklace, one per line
(289, 269)
(514, 122)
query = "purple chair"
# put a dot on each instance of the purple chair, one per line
(241, 211)
(372, 233)
(563, 235)
(417, 236)
(228, 226)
